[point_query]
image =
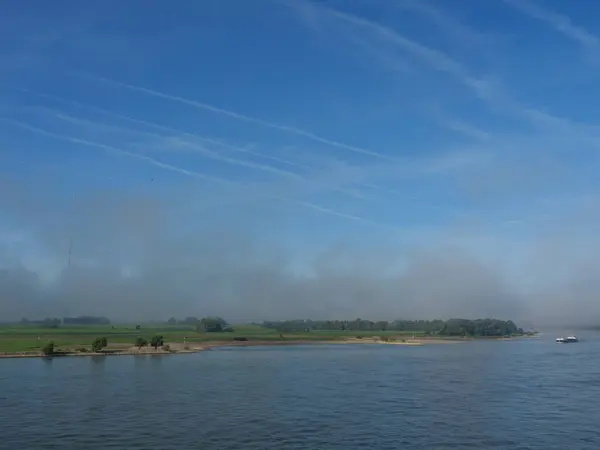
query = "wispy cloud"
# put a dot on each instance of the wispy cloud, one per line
(490, 89)
(323, 175)
(467, 129)
(179, 142)
(445, 22)
(559, 22)
(235, 115)
(168, 129)
(178, 139)
(479, 196)
(195, 174)
(431, 57)
(113, 150)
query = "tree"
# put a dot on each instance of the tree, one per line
(137, 327)
(157, 341)
(382, 325)
(86, 320)
(99, 343)
(140, 342)
(172, 321)
(48, 349)
(51, 323)
(211, 325)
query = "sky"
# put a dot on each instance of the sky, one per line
(300, 159)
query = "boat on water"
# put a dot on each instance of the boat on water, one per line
(568, 339)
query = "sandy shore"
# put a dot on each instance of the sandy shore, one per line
(179, 348)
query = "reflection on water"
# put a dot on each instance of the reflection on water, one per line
(98, 359)
(530, 394)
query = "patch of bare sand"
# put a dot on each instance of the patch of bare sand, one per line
(190, 347)
(396, 341)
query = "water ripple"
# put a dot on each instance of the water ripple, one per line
(517, 395)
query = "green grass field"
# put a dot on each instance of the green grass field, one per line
(31, 338)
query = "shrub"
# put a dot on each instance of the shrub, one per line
(140, 342)
(157, 341)
(240, 338)
(98, 344)
(167, 348)
(82, 350)
(48, 349)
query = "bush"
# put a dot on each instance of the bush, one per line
(48, 349)
(82, 350)
(98, 344)
(157, 341)
(240, 338)
(211, 325)
(140, 342)
(167, 348)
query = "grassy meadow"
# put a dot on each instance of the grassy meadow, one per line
(31, 338)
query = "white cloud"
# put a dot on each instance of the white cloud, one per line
(559, 22)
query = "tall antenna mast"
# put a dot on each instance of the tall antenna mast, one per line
(70, 237)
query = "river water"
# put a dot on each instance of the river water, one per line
(521, 394)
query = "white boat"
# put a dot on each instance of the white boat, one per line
(568, 339)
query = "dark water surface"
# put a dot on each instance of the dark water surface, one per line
(525, 394)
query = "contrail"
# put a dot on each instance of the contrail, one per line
(232, 114)
(201, 149)
(162, 127)
(190, 173)
(208, 140)
(200, 138)
(119, 151)
(177, 131)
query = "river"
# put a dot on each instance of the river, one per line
(520, 394)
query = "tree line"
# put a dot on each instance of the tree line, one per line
(55, 322)
(451, 327)
(210, 324)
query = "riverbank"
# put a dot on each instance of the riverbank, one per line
(179, 348)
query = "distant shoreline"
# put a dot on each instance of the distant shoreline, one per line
(178, 348)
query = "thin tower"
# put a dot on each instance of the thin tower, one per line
(71, 238)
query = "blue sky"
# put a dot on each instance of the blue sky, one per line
(405, 124)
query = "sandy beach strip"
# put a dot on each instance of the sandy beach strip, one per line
(179, 348)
